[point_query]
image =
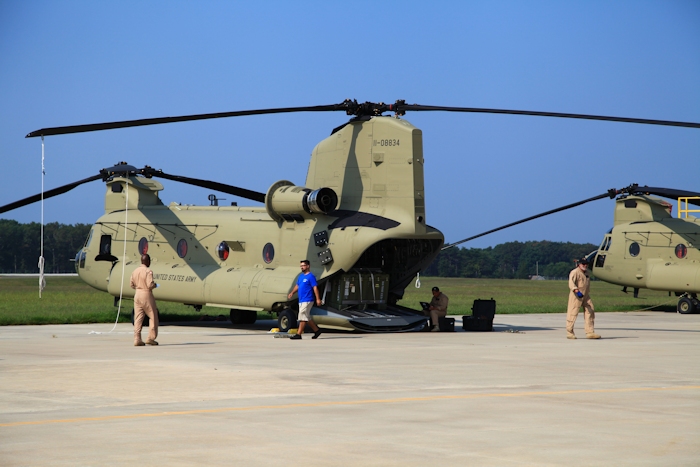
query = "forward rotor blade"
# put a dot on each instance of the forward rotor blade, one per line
(418, 107)
(230, 189)
(62, 130)
(610, 194)
(47, 194)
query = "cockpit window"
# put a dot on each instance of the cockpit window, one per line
(89, 238)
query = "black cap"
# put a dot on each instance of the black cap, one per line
(436, 289)
(583, 261)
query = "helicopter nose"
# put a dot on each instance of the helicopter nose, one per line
(590, 257)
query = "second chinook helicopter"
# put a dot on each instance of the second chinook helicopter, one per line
(647, 247)
(359, 217)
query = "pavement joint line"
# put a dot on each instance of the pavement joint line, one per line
(341, 403)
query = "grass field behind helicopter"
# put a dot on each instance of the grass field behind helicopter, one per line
(68, 300)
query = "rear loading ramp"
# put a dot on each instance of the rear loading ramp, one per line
(393, 318)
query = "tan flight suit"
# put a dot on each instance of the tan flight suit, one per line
(440, 302)
(580, 280)
(144, 303)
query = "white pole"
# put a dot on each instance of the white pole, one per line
(42, 281)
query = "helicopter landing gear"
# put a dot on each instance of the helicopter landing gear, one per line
(688, 305)
(286, 320)
(243, 316)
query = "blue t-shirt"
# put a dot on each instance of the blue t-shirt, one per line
(306, 283)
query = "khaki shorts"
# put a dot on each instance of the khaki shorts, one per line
(305, 310)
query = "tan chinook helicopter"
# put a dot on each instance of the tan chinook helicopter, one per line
(359, 217)
(647, 247)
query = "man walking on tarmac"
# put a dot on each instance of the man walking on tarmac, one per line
(308, 290)
(144, 302)
(579, 287)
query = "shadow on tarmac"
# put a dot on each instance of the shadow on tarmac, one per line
(186, 343)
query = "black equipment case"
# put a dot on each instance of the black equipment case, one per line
(446, 324)
(483, 312)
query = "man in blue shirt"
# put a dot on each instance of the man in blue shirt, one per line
(308, 290)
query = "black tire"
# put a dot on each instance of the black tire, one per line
(146, 320)
(237, 316)
(251, 317)
(286, 320)
(686, 306)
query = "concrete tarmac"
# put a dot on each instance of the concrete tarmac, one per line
(212, 394)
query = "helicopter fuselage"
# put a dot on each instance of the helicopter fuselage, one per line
(649, 248)
(247, 258)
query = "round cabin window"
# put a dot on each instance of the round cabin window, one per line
(634, 249)
(681, 251)
(182, 248)
(143, 246)
(222, 250)
(268, 253)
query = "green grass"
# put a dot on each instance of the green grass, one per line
(68, 300)
(526, 296)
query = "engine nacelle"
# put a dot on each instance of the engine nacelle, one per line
(286, 202)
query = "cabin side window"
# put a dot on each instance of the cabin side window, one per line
(634, 249)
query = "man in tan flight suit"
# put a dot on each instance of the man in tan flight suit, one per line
(579, 287)
(144, 302)
(438, 307)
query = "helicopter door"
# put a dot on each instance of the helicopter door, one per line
(105, 253)
(106, 245)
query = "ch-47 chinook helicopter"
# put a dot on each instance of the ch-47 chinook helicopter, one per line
(360, 218)
(647, 247)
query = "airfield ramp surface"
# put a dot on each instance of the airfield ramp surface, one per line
(211, 394)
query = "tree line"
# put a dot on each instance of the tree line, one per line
(512, 260)
(20, 246)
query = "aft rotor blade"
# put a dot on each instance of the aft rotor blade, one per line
(62, 130)
(230, 189)
(610, 194)
(418, 107)
(47, 194)
(670, 193)
(351, 107)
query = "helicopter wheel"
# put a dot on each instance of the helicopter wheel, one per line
(250, 316)
(286, 320)
(237, 316)
(686, 306)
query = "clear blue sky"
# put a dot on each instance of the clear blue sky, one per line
(75, 62)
